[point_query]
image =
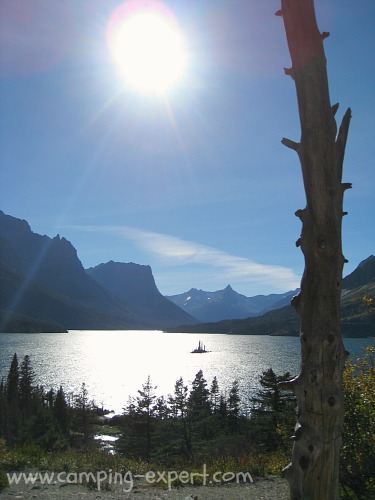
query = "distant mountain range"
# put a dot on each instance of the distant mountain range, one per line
(357, 311)
(228, 304)
(44, 287)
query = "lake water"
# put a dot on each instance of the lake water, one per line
(115, 364)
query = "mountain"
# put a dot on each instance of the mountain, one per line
(227, 304)
(357, 311)
(43, 279)
(134, 285)
(362, 275)
(358, 298)
(43, 286)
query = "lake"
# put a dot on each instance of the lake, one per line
(115, 364)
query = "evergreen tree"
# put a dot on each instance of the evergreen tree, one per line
(201, 424)
(234, 401)
(179, 401)
(61, 411)
(273, 410)
(83, 415)
(27, 397)
(3, 410)
(223, 407)
(179, 409)
(139, 422)
(161, 408)
(146, 409)
(13, 380)
(49, 398)
(12, 397)
(199, 398)
(215, 395)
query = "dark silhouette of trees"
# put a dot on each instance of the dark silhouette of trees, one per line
(27, 390)
(29, 414)
(83, 415)
(179, 411)
(214, 395)
(273, 410)
(234, 407)
(199, 401)
(61, 411)
(199, 423)
(12, 411)
(232, 430)
(138, 425)
(3, 409)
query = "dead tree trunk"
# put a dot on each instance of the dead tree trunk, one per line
(314, 471)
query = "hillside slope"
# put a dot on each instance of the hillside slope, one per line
(42, 278)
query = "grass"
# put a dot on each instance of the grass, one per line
(75, 461)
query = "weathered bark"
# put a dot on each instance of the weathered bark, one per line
(313, 473)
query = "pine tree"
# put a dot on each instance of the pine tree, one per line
(234, 401)
(179, 409)
(139, 423)
(12, 398)
(26, 389)
(214, 395)
(13, 380)
(161, 408)
(83, 411)
(199, 413)
(3, 409)
(146, 409)
(199, 400)
(61, 411)
(49, 398)
(179, 401)
(272, 408)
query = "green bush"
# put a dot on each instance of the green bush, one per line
(357, 464)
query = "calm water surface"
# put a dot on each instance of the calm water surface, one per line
(115, 364)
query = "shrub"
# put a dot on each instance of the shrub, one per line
(357, 465)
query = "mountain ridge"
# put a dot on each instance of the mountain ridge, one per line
(228, 304)
(43, 279)
(43, 284)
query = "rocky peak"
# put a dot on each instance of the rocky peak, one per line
(125, 280)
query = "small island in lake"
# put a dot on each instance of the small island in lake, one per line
(201, 348)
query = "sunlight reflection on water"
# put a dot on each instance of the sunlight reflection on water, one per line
(115, 364)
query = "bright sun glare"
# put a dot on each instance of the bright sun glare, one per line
(148, 48)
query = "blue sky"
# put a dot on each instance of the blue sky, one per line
(196, 183)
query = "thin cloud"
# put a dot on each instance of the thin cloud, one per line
(178, 252)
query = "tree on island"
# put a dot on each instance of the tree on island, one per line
(314, 471)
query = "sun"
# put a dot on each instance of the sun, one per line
(147, 46)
